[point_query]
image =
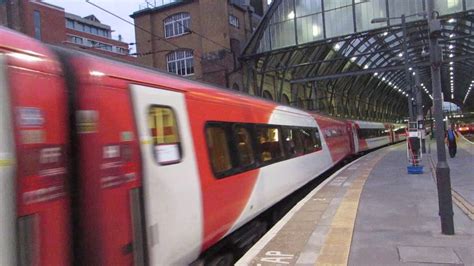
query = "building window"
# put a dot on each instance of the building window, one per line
(177, 24)
(121, 50)
(180, 62)
(234, 21)
(37, 24)
(75, 39)
(165, 135)
(70, 23)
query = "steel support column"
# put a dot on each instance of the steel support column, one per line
(443, 179)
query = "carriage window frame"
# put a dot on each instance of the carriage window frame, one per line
(251, 143)
(260, 146)
(232, 141)
(227, 130)
(177, 132)
(295, 138)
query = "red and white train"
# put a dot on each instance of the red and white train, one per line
(103, 163)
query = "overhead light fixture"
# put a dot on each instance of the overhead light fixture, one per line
(400, 54)
(291, 15)
(451, 46)
(316, 30)
(452, 20)
(375, 74)
(353, 58)
(337, 46)
(410, 68)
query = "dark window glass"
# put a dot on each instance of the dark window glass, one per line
(37, 24)
(268, 139)
(218, 145)
(293, 142)
(244, 146)
(308, 140)
(366, 133)
(317, 139)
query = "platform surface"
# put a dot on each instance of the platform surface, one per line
(373, 213)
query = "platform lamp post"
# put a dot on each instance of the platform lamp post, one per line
(443, 179)
(405, 58)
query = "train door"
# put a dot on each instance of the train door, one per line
(172, 191)
(38, 117)
(109, 186)
(7, 174)
(355, 138)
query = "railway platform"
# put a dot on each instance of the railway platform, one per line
(371, 212)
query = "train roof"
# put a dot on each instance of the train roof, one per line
(26, 51)
(93, 67)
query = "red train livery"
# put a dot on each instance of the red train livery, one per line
(103, 163)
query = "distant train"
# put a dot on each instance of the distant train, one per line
(103, 163)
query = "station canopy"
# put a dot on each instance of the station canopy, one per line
(351, 54)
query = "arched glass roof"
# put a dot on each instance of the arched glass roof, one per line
(335, 43)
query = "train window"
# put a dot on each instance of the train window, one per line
(244, 146)
(293, 142)
(366, 133)
(218, 145)
(268, 139)
(311, 139)
(317, 139)
(164, 132)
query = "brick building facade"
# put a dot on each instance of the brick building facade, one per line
(51, 24)
(200, 39)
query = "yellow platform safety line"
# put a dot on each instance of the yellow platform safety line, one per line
(461, 202)
(337, 245)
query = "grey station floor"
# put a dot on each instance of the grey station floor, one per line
(372, 212)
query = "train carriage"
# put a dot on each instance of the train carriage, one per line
(34, 197)
(370, 135)
(174, 120)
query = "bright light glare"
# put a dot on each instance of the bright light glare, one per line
(316, 30)
(291, 15)
(96, 73)
(26, 57)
